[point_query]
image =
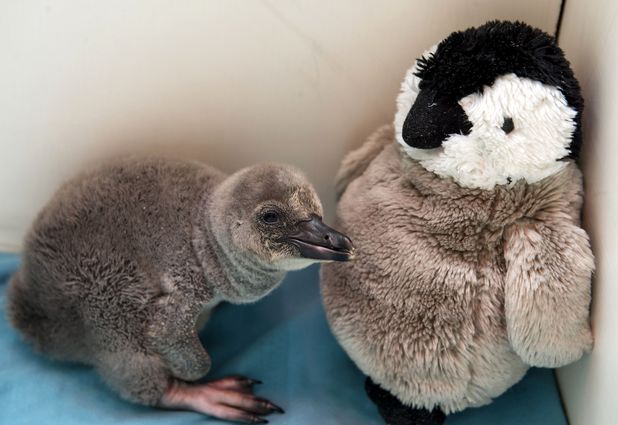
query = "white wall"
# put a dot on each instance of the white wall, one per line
(228, 81)
(589, 37)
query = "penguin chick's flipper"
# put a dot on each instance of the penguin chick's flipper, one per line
(176, 339)
(356, 162)
(396, 413)
(229, 398)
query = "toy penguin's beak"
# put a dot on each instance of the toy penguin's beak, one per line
(315, 240)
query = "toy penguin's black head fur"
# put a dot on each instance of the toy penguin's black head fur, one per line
(466, 61)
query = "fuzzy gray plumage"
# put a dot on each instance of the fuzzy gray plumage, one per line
(120, 264)
(456, 291)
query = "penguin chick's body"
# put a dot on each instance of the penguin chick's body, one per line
(447, 304)
(120, 264)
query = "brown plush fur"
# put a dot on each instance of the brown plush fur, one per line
(456, 292)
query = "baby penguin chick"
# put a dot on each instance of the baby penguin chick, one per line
(119, 265)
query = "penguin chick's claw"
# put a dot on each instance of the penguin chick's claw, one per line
(236, 382)
(229, 398)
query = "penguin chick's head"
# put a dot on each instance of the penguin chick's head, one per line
(491, 105)
(272, 213)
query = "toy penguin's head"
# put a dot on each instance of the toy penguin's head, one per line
(490, 106)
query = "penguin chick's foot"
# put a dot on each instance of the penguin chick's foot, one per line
(396, 413)
(229, 398)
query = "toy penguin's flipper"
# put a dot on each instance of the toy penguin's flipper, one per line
(547, 285)
(547, 292)
(396, 413)
(357, 161)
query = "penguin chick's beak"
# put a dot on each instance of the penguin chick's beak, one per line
(317, 241)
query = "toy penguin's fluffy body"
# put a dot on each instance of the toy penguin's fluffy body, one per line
(471, 263)
(447, 303)
(121, 263)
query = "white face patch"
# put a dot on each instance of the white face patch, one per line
(291, 264)
(488, 156)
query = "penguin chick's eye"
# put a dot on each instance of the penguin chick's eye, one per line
(507, 125)
(271, 217)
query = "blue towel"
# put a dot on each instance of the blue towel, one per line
(283, 340)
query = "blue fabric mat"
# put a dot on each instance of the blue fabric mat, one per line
(283, 340)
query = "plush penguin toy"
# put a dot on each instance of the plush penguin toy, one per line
(472, 265)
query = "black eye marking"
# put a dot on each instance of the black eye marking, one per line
(432, 119)
(271, 217)
(509, 180)
(507, 125)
